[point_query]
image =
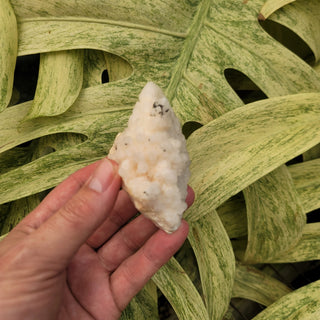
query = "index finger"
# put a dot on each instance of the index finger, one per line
(58, 197)
(131, 276)
(60, 236)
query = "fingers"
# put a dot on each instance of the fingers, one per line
(52, 203)
(136, 252)
(190, 196)
(58, 197)
(122, 212)
(60, 236)
(126, 242)
(130, 238)
(130, 277)
(89, 279)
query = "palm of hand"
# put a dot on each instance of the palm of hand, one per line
(76, 257)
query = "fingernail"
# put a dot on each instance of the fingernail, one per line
(102, 176)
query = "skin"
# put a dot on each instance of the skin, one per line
(76, 256)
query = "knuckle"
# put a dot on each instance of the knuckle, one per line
(130, 243)
(77, 209)
(118, 219)
(17, 257)
(154, 262)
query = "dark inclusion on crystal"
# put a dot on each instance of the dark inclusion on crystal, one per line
(159, 108)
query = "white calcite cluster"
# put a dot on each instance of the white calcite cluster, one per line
(153, 159)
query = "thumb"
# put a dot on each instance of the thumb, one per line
(59, 237)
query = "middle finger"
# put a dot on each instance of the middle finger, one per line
(126, 242)
(122, 211)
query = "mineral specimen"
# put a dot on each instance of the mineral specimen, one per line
(153, 159)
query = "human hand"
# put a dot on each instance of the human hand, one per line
(75, 256)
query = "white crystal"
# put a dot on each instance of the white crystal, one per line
(153, 159)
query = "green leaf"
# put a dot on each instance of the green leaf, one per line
(182, 45)
(216, 262)
(2, 237)
(186, 47)
(306, 179)
(177, 287)
(8, 51)
(232, 38)
(117, 67)
(93, 67)
(302, 304)
(96, 62)
(240, 147)
(144, 306)
(234, 217)
(18, 210)
(316, 67)
(311, 154)
(271, 6)
(59, 83)
(187, 259)
(160, 46)
(307, 248)
(302, 17)
(99, 125)
(38, 148)
(252, 284)
(14, 158)
(275, 217)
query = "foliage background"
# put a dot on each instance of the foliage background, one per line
(243, 77)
